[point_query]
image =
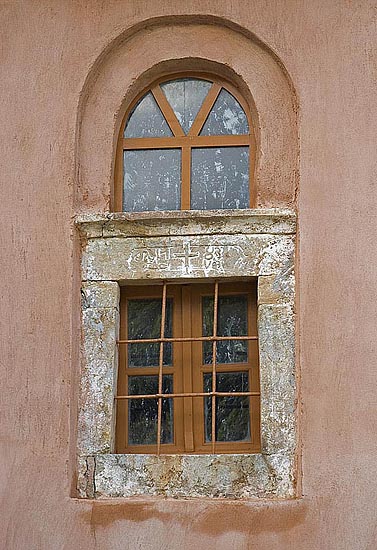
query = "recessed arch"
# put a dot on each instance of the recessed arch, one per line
(165, 46)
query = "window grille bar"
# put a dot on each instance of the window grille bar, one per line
(214, 352)
(191, 339)
(190, 394)
(160, 366)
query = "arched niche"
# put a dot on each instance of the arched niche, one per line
(168, 45)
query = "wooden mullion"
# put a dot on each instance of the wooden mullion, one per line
(167, 111)
(226, 367)
(186, 178)
(204, 110)
(160, 367)
(226, 140)
(187, 370)
(117, 190)
(214, 353)
(147, 371)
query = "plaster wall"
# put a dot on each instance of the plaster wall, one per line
(328, 49)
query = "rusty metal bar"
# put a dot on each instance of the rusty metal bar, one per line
(191, 394)
(160, 365)
(191, 339)
(214, 352)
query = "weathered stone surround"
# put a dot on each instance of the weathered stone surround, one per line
(121, 248)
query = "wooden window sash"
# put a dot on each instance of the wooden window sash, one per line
(184, 142)
(188, 394)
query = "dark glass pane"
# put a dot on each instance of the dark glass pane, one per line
(220, 178)
(232, 413)
(225, 117)
(146, 120)
(186, 96)
(152, 180)
(142, 413)
(231, 321)
(144, 321)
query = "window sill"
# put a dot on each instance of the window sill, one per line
(228, 476)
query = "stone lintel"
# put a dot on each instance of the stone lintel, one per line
(199, 257)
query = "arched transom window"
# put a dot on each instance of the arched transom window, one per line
(186, 144)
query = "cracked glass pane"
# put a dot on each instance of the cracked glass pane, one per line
(152, 180)
(232, 413)
(144, 321)
(225, 117)
(142, 413)
(146, 120)
(219, 178)
(186, 96)
(231, 321)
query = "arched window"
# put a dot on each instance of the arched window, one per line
(186, 143)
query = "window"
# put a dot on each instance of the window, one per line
(179, 412)
(188, 369)
(186, 143)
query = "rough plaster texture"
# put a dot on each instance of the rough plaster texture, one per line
(48, 50)
(234, 251)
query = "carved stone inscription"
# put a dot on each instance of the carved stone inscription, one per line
(175, 257)
(188, 258)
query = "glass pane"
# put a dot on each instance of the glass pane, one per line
(142, 413)
(146, 120)
(225, 117)
(186, 96)
(231, 321)
(220, 178)
(232, 413)
(152, 180)
(144, 321)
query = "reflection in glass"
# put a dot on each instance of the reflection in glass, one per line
(144, 321)
(186, 96)
(225, 117)
(232, 413)
(142, 413)
(152, 180)
(220, 178)
(231, 321)
(146, 120)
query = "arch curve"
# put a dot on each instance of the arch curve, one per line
(167, 45)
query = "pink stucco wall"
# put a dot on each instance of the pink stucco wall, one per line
(328, 49)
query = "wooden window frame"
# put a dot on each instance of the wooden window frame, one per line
(184, 142)
(188, 393)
